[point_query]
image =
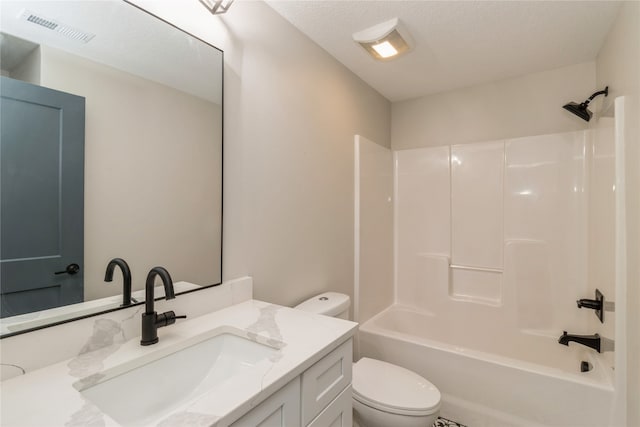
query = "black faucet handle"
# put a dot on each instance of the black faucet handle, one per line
(596, 304)
(167, 318)
(589, 303)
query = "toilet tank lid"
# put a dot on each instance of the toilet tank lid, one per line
(328, 303)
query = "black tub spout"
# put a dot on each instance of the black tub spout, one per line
(591, 341)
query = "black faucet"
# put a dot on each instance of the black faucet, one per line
(126, 277)
(592, 341)
(151, 320)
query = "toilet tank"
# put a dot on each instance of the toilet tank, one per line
(329, 303)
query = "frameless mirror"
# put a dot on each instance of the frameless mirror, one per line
(111, 147)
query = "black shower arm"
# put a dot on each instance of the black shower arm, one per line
(604, 92)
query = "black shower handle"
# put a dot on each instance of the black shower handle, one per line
(589, 303)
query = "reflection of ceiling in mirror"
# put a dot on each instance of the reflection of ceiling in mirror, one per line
(149, 46)
(13, 51)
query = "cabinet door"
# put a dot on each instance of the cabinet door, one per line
(339, 413)
(325, 380)
(281, 409)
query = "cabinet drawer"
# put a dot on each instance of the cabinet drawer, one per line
(325, 380)
(339, 413)
(279, 410)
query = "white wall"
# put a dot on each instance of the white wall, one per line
(522, 106)
(618, 65)
(291, 111)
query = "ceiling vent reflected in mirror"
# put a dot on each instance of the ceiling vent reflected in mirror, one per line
(385, 41)
(217, 7)
(51, 24)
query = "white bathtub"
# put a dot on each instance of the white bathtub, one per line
(489, 381)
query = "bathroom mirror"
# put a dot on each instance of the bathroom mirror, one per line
(111, 148)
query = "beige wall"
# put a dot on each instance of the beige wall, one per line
(151, 170)
(618, 66)
(522, 106)
(291, 112)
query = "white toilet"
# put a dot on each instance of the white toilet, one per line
(383, 394)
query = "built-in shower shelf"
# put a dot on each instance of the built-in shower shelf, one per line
(470, 267)
(480, 285)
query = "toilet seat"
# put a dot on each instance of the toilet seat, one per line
(393, 389)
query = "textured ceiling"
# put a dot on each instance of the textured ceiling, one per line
(457, 43)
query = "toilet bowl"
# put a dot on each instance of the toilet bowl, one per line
(389, 395)
(384, 394)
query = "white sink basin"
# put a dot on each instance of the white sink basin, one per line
(153, 389)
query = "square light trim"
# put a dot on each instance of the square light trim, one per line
(384, 41)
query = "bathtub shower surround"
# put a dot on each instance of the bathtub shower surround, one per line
(373, 238)
(502, 225)
(502, 241)
(494, 243)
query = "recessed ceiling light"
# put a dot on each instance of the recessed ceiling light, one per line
(385, 49)
(384, 41)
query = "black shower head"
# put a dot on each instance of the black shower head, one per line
(581, 110)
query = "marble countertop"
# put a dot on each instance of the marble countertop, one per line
(36, 319)
(50, 396)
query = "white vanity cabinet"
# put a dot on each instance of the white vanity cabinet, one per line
(323, 383)
(338, 413)
(320, 397)
(282, 408)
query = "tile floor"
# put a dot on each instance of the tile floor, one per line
(443, 422)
